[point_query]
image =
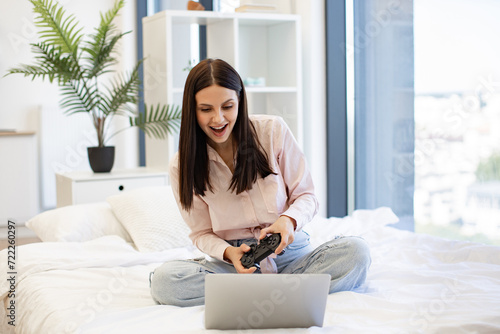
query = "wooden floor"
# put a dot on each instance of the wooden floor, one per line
(4, 243)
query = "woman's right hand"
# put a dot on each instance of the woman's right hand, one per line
(234, 254)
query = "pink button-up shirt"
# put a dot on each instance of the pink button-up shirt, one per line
(222, 215)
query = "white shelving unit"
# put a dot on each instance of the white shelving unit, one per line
(257, 45)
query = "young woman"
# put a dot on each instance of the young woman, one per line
(237, 178)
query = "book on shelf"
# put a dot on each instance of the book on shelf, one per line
(256, 8)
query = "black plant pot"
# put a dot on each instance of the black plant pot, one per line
(101, 159)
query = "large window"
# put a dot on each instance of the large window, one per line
(457, 119)
(382, 54)
(427, 113)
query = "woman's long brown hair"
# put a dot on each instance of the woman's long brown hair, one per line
(251, 158)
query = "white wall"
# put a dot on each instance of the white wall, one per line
(22, 99)
(314, 87)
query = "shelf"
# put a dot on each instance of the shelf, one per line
(208, 17)
(250, 89)
(15, 133)
(254, 89)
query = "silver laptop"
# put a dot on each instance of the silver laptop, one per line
(244, 301)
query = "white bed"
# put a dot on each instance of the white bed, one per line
(91, 274)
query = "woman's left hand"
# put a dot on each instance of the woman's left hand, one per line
(284, 226)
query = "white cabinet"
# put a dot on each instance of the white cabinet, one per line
(86, 187)
(265, 46)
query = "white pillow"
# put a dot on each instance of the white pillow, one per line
(151, 217)
(81, 222)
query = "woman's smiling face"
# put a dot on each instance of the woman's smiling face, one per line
(216, 113)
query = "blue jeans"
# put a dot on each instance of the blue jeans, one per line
(346, 259)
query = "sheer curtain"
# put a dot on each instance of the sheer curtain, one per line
(382, 49)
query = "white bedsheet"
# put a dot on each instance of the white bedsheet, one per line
(416, 284)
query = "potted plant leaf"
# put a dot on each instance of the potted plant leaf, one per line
(80, 65)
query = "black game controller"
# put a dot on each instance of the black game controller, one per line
(259, 252)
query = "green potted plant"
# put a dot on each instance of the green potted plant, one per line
(81, 68)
